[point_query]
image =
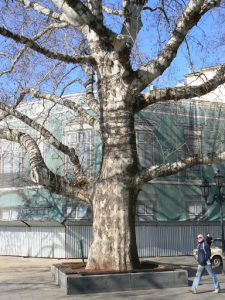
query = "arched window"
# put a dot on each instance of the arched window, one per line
(145, 139)
(193, 145)
(11, 157)
(79, 138)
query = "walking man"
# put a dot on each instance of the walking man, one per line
(203, 258)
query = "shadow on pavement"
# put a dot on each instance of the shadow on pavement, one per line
(191, 268)
(192, 272)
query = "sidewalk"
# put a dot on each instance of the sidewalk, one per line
(31, 279)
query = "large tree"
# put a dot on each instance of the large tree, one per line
(46, 44)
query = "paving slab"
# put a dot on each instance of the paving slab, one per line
(31, 278)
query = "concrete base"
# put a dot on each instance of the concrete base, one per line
(85, 284)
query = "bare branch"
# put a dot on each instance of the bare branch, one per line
(96, 9)
(3, 116)
(162, 9)
(181, 92)
(46, 134)
(90, 97)
(69, 84)
(43, 10)
(72, 20)
(14, 61)
(48, 53)
(22, 51)
(112, 11)
(40, 172)
(173, 168)
(209, 4)
(86, 17)
(132, 19)
(189, 18)
(67, 103)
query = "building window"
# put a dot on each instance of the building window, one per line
(145, 140)
(14, 214)
(193, 146)
(81, 141)
(195, 210)
(146, 212)
(78, 212)
(146, 207)
(9, 214)
(11, 157)
(214, 142)
(71, 212)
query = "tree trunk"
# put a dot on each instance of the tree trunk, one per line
(114, 201)
(114, 242)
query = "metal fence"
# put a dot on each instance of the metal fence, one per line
(33, 241)
(74, 235)
(153, 239)
(171, 239)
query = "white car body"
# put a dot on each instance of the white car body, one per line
(216, 255)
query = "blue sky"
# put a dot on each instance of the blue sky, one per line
(205, 41)
(205, 46)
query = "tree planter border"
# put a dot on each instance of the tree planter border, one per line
(103, 283)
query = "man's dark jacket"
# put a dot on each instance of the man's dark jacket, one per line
(204, 253)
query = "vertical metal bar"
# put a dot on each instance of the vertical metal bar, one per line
(82, 251)
(222, 228)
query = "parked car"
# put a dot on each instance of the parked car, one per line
(216, 253)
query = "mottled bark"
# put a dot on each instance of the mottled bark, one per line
(114, 202)
(88, 119)
(132, 19)
(181, 92)
(42, 175)
(29, 42)
(43, 10)
(192, 13)
(178, 166)
(114, 243)
(92, 102)
(45, 133)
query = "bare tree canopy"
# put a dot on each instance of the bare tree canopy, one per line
(113, 52)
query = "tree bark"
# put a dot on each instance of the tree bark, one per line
(114, 242)
(114, 201)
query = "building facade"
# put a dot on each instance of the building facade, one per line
(34, 222)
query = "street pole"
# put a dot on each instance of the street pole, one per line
(222, 228)
(219, 198)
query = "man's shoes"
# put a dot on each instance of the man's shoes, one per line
(194, 291)
(216, 291)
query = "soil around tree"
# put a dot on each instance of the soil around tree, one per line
(145, 266)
